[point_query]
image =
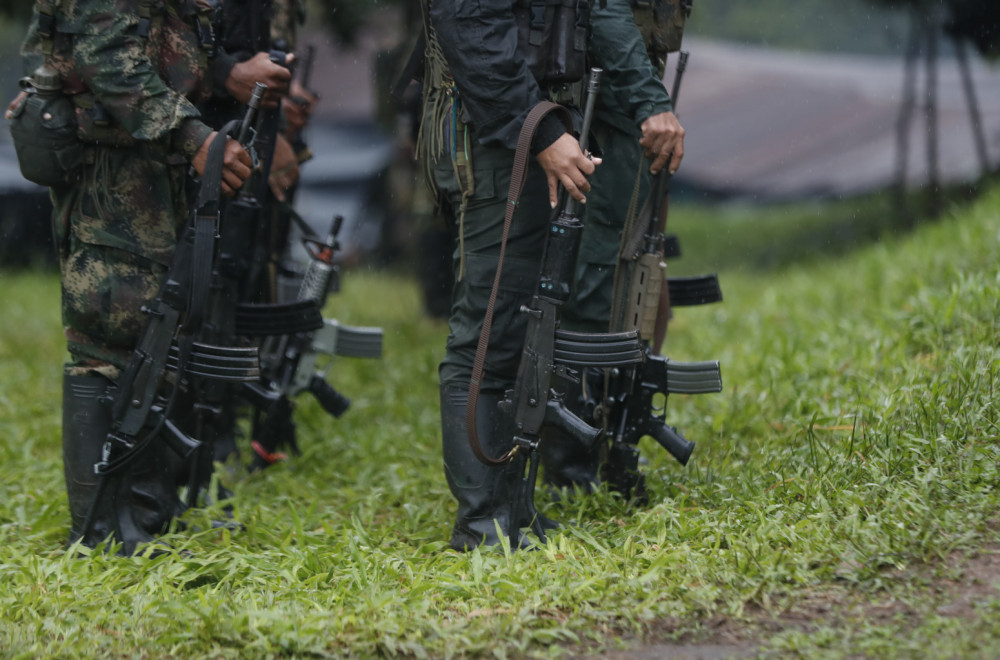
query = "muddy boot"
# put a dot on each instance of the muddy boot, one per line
(100, 506)
(566, 462)
(486, 494)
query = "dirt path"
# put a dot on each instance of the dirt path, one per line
(950, 588)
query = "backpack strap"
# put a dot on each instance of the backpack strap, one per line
(522, 158)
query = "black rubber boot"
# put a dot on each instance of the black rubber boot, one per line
(102, 507)
(155, 502)
(566, 462)
(486, 494)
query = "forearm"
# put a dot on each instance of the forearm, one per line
(111, 61)
(617, 47)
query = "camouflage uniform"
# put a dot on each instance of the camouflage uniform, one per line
(288, 16)
(133, 69)
(116, 228)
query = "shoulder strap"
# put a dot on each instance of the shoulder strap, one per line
(145, 16)
(517, 178)
(46, 23)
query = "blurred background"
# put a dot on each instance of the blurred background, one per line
(824, 123)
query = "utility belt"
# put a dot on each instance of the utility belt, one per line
(95, 127)
(54, 134)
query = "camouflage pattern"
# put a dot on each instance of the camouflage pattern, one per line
(661, 24)
(116, 229)
(287, 17)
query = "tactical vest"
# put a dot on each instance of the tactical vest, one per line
(552, 38)
(661, 24)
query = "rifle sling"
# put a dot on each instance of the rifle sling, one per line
(206, 224)
(517, 178)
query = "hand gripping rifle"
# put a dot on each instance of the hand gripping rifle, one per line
(547, 350)
(290, 364)
(214, 386)
(629, 410)
(170, 350)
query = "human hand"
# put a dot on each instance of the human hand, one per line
(298, 107)
(284, 168)
(663, 138)
(565, 164)
(236, 163)
(12, 106)
(244, 76)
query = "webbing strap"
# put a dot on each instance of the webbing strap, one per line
(46, 24)
(517, 179)
(206, 224)
(145, 18)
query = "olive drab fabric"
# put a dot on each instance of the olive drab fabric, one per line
(661, 24)
(134, 70)
(288, 16)
(623, 103)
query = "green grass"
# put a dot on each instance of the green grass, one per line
(852, 457)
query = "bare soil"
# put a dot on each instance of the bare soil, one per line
(951, 588)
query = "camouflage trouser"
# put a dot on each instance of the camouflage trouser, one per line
(611, 184)
(115, 231)
(479, 235)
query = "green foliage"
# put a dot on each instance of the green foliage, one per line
(853, 455)
(859, 26)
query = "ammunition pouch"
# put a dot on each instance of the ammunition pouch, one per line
(552, 35)
(661, 24)
(43, 127)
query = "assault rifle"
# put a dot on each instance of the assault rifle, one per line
(303, 70)
(290, 364)
(629, 410)
(547, 352)
(229, 322)
(170, 349)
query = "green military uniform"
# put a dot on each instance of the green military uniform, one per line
(134, 70)
(478, 92)
(630, 98)
(620, 110)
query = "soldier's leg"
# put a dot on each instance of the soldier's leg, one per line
(108, 275)
(486, 494)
